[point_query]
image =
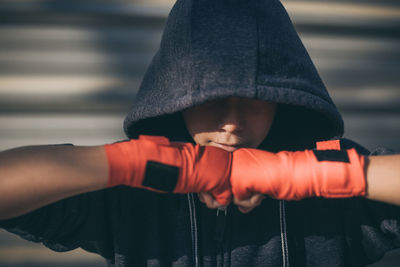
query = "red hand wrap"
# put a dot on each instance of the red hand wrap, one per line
(156, 164)
(297, 175)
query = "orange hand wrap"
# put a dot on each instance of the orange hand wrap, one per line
(156, 164)
(297, 175)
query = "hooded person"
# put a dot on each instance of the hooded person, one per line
(211, 51)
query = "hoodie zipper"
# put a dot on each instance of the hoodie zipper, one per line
(285, 250)
(220, 224)
(220, 227)
(194, 232)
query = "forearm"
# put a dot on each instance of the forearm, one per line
(34, 176)
(383, 178)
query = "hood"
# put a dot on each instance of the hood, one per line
(218, 48)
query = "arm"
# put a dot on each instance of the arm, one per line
(302, 174)
(383, 178)
(34, 176)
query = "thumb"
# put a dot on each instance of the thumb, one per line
(241, 192)
(224, 197)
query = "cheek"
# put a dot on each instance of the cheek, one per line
(258, 132)
(261, 124)
(263, 130)
(199, 125)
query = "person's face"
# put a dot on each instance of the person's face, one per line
(230, 123)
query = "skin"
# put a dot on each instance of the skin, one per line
(230, 123)
(34, 176)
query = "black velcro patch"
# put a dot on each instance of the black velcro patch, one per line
(160, 176)
(332, 155)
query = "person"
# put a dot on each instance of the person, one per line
(232, 113)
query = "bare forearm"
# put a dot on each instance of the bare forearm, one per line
(383, 178)
(34, 176)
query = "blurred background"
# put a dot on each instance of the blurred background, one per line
(70, 69)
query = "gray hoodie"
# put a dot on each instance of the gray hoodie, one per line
(213, 49)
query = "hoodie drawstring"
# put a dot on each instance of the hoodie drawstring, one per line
(282, 217)
(194, 230)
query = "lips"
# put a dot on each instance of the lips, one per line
(229, 148)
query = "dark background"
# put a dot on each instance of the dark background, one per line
(70, 69)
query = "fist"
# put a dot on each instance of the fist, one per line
(205, 169)
(156, 164)
(256, 171)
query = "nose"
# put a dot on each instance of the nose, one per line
(230, 116)
(229, 127)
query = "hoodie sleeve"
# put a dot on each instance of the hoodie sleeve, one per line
(374, 226)
(80, 221)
